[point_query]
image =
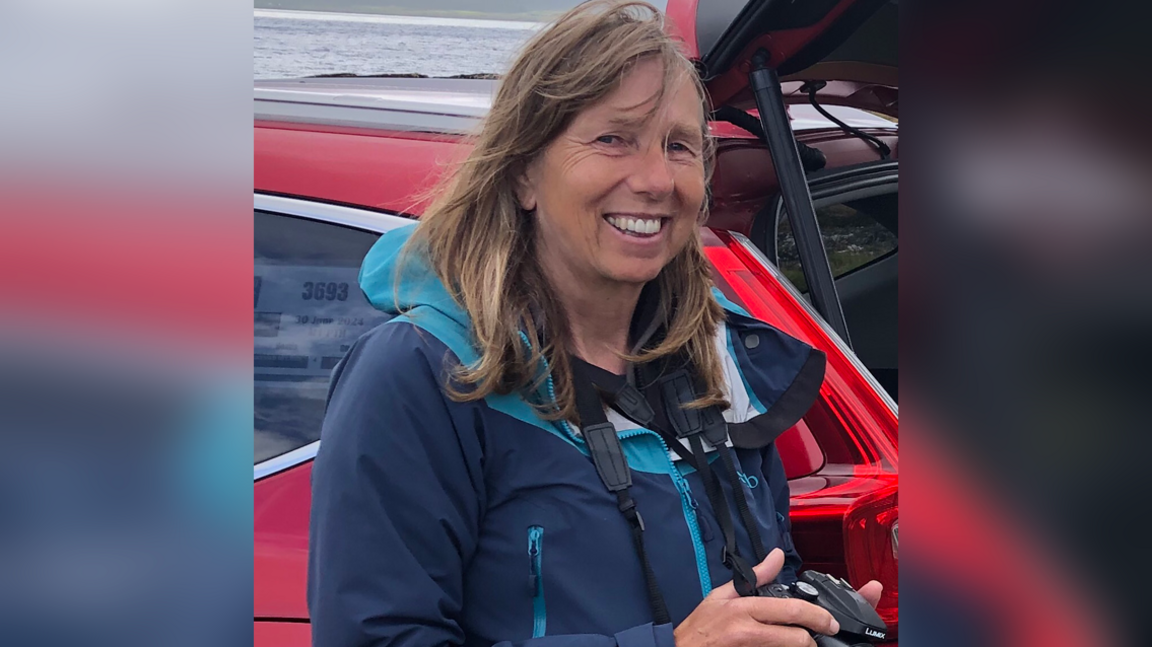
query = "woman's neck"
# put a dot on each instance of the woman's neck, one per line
(598, 325)
(599, 316)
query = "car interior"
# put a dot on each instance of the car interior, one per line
(857, 212)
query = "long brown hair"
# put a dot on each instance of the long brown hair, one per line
(480, 242)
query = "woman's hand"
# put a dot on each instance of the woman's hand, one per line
(725, 619)
(871, 592)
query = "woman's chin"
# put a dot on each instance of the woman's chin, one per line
(635, 272)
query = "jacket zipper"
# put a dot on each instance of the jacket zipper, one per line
(702, 519)
(689, 507)
(536, 579)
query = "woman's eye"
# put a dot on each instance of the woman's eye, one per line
(610, 139)
(679, 147)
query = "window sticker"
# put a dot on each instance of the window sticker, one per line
(306, 319)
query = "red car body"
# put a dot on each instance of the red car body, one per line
(841, 459)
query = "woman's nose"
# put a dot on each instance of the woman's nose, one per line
(652, 175)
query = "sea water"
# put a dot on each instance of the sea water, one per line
(291, 44)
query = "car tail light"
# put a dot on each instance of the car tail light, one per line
(870, 545)
(845, 517)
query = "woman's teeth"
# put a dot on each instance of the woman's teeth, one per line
(639, 226)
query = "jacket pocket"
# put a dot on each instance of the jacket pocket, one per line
(536, 579)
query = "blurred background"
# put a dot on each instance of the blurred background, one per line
(125, 333)
(125, 339)
(1026, 308)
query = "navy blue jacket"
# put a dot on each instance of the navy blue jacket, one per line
(437, 522)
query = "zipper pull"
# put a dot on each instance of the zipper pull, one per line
(685, 493)
(701, 520)
(534, 558)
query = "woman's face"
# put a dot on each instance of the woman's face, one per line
(618, 194)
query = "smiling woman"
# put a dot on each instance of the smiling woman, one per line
(558, 378)
(615, 198)
(601, 152)
(601, 116)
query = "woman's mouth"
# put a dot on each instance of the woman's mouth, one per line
(641, 227)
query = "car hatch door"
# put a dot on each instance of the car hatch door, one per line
(844, 40)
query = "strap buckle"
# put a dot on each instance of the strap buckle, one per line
(743, 575)
(631, 513)
(632, 404)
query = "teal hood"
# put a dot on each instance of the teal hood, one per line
(401, 282)
(414, 290)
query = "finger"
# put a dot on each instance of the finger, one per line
(766, 571)
(784, 637)
(790, 611)
(871, 592)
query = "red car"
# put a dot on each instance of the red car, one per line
(338, 161)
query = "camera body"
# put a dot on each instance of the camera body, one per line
(859, 622)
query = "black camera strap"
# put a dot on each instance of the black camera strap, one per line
(696, 425)
(743, 577)
(594, 385)
(608, 456)
(726, 455)
(677, 388)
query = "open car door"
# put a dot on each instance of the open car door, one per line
(745, 48)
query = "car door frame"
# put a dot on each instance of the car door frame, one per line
(856, 181)
(834, 187)
(354, 217)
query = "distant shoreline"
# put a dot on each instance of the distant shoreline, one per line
(527, 16)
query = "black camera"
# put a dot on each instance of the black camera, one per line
(859, 622)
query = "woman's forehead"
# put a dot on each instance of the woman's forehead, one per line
(647, 96)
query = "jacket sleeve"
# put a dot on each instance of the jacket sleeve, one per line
(397, 495)
(397, 498)
(778, 482)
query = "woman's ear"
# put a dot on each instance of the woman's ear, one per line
(526, 187)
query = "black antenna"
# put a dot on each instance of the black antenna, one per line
(812, 87)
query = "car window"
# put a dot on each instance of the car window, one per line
(308, 310)
(855, 233)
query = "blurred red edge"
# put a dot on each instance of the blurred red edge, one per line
(281, 633)
(167, 264)
(967, 543)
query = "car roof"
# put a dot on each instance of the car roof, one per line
(437, 105)
(452, 106)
